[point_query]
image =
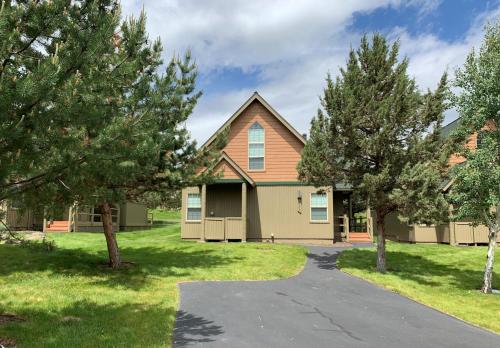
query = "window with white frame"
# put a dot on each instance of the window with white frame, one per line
(256, 147)
(319, 206)
(193, 207)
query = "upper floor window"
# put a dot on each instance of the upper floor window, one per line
(256, 147)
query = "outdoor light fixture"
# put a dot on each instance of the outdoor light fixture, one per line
(299, 196)
(299, 201)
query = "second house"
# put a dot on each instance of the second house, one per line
(258, 196)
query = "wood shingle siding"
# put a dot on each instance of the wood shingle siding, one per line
(282, 148)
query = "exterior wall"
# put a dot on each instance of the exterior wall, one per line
(276, 210)
(18, 219)
(270, 210)
(470, 144)
(223, 200)
(281, 150)
(133, 216)
(455, 232)
(190, 230)
(226, 171)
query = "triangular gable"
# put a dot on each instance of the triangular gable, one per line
(256, 96)
(231, 169)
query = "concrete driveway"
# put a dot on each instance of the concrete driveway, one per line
(321, 307)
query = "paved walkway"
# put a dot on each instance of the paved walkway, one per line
(321, 307)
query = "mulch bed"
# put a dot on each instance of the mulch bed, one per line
(9, 318)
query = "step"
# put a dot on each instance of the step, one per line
(59, 222)
(56, 229)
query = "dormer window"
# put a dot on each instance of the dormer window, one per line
(256, 147)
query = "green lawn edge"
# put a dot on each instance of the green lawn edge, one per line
(443, 277)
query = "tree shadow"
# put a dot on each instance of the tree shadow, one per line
(325, 260)
(416, 268)
(80, 324)
(149, 262)
(191, 329)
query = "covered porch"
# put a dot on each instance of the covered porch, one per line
(222, 211)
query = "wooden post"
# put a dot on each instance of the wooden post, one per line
(369, 220)
(346, 226)
(244, 210)
(203, 209)
(70, 217)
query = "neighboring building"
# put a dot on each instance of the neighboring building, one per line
(126, 217)
(453, 232)
(258, 196)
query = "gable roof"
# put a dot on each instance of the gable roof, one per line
(255, 96)
(235, 167)
(449, 128)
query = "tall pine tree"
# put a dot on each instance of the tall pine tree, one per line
(378, 133)
(89, 115)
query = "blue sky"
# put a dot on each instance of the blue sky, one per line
(284, 48)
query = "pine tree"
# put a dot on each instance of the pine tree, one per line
(475, 193)
(90, 117)
(378, 133)
(45, 47)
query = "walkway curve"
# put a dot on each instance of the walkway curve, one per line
(320, 307)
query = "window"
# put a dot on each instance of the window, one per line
(256, 147)
(319, 207)
(193, 207)
(479, 140)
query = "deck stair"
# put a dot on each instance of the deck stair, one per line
(359, 237)
(57, 226)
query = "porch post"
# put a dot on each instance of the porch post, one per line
(203, 209)
(244, 210)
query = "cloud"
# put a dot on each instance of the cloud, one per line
(288, 46)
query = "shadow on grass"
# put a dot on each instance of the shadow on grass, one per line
(81, 325)
(191, 329)
(413, 267)
(148, 261)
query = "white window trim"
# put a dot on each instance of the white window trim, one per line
(311, 207)
(187, 207)
(264, 149)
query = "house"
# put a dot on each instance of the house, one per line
(258, 196)
(126, 217)
(452, 232)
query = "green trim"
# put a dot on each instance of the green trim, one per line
(281, 183)
(298, 183)
(228, 181)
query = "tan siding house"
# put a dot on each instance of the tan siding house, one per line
(126, 217)
(259, 196)
(453, 232)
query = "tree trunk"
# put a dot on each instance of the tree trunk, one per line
(107, 224)
(381, 242)
(490, 258)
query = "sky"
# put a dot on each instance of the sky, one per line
(284, 49)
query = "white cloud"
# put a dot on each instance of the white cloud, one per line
(292, 45)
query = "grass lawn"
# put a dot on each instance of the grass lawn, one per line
(70, 300)
(444, 277)
(165, 215)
